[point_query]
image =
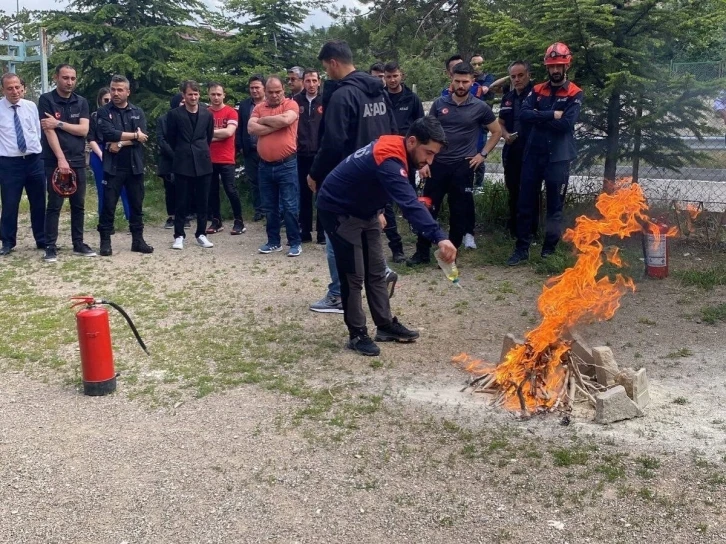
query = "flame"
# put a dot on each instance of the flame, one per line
(533, 375)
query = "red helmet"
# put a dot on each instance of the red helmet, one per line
(64, 184)
(557, 53)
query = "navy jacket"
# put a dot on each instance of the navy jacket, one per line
(510, 111)
(356, 111)
(538, 112)
(363, 183)
(244, 141)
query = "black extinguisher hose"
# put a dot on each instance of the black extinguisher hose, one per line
(128, 320)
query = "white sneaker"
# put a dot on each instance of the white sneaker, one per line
(469, 242)
(202, 241)
(178, 243)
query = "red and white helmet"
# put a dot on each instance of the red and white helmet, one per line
(557, 53)
(64, 184)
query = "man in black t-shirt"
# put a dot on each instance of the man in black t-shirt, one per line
(452, 173)
(64, 118)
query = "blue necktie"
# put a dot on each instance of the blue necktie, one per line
(19, 136)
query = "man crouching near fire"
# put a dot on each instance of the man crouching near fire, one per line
(350, 208)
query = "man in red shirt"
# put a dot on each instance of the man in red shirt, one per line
(275, 122)
(223, 161)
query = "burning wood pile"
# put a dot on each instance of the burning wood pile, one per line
(550, 369)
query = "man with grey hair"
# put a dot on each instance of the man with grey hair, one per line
(123, 127)
(295, 77)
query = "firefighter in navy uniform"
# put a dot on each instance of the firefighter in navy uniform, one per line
(549, 113)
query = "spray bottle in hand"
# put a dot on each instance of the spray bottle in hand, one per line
(450, 270)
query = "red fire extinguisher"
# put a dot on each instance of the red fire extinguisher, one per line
(94, 339)
(655, 250)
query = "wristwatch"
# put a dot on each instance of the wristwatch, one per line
(484, 154)
(60, 124)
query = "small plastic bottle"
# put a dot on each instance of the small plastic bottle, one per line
(450, 270)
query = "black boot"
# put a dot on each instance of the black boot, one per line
(106, 250)
(139, 245)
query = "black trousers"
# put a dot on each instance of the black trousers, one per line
(391, 230)
(252, 172)
(169, 194)
(183, 185)
(304, 162)
(134, 184)
(55, 203)
(513, 181)
(360, 261)
(224, 173)
(457, 181)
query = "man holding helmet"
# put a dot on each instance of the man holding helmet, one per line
(549, 113)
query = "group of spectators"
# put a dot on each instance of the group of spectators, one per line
(359, 143)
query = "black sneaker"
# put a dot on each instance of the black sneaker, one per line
(238, 228)
(6, 250)
(395, 332)
(321, 240)
(391, 279)
(399, 257)
(169, 223)
(364, 345)
(518, 257)
(215, 226)
(51, 254)
(83, 250)
(105, 250)
(418, 258)
(259, 216)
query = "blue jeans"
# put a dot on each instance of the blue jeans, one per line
(97, 169)
(18, 174)
(279, 187)
(334, 285)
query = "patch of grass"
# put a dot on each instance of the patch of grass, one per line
(646, 321)
(564, 457)
(712, 314)
(648, 462)
(611, 467)
(705, 279)
(646, 494)
(681, 353)
(681, 401)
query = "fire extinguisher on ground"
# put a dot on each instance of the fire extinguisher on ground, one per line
(94, 339)
(655, 250)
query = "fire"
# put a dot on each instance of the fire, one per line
(534, 376)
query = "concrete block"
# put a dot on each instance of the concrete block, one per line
(625, 378)
(508, 342)
(583, 351)
(641, 393)
(615, 405)
(605, 366)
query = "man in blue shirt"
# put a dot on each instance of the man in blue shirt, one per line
(350, 207)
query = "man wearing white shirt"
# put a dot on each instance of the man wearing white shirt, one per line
(21, 165)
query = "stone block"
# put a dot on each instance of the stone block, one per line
(605, 366)
(615, 405)
(641, 393)
(508, 342)
(583, 351)
(625, 378)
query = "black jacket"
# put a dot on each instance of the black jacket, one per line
(69, 110)
(191, 147)
(509, 112)
(356, 111)
(110, 121)
(407, 109)
(308, 128)
(244, 141)
(164, 161)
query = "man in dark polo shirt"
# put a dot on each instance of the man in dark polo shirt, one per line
(452, 172)
(123, 127)
(64, 118)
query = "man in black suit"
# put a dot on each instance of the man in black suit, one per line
(246, 143)
(189, 132)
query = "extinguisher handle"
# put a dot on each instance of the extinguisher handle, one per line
(83, 300)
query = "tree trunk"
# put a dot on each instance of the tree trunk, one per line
(637, 140)
(612, 140)
(463, 29)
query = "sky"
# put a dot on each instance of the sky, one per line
(317, 18)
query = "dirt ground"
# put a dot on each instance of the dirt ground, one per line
(251, 423)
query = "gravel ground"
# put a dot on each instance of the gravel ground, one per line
(428, 463)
